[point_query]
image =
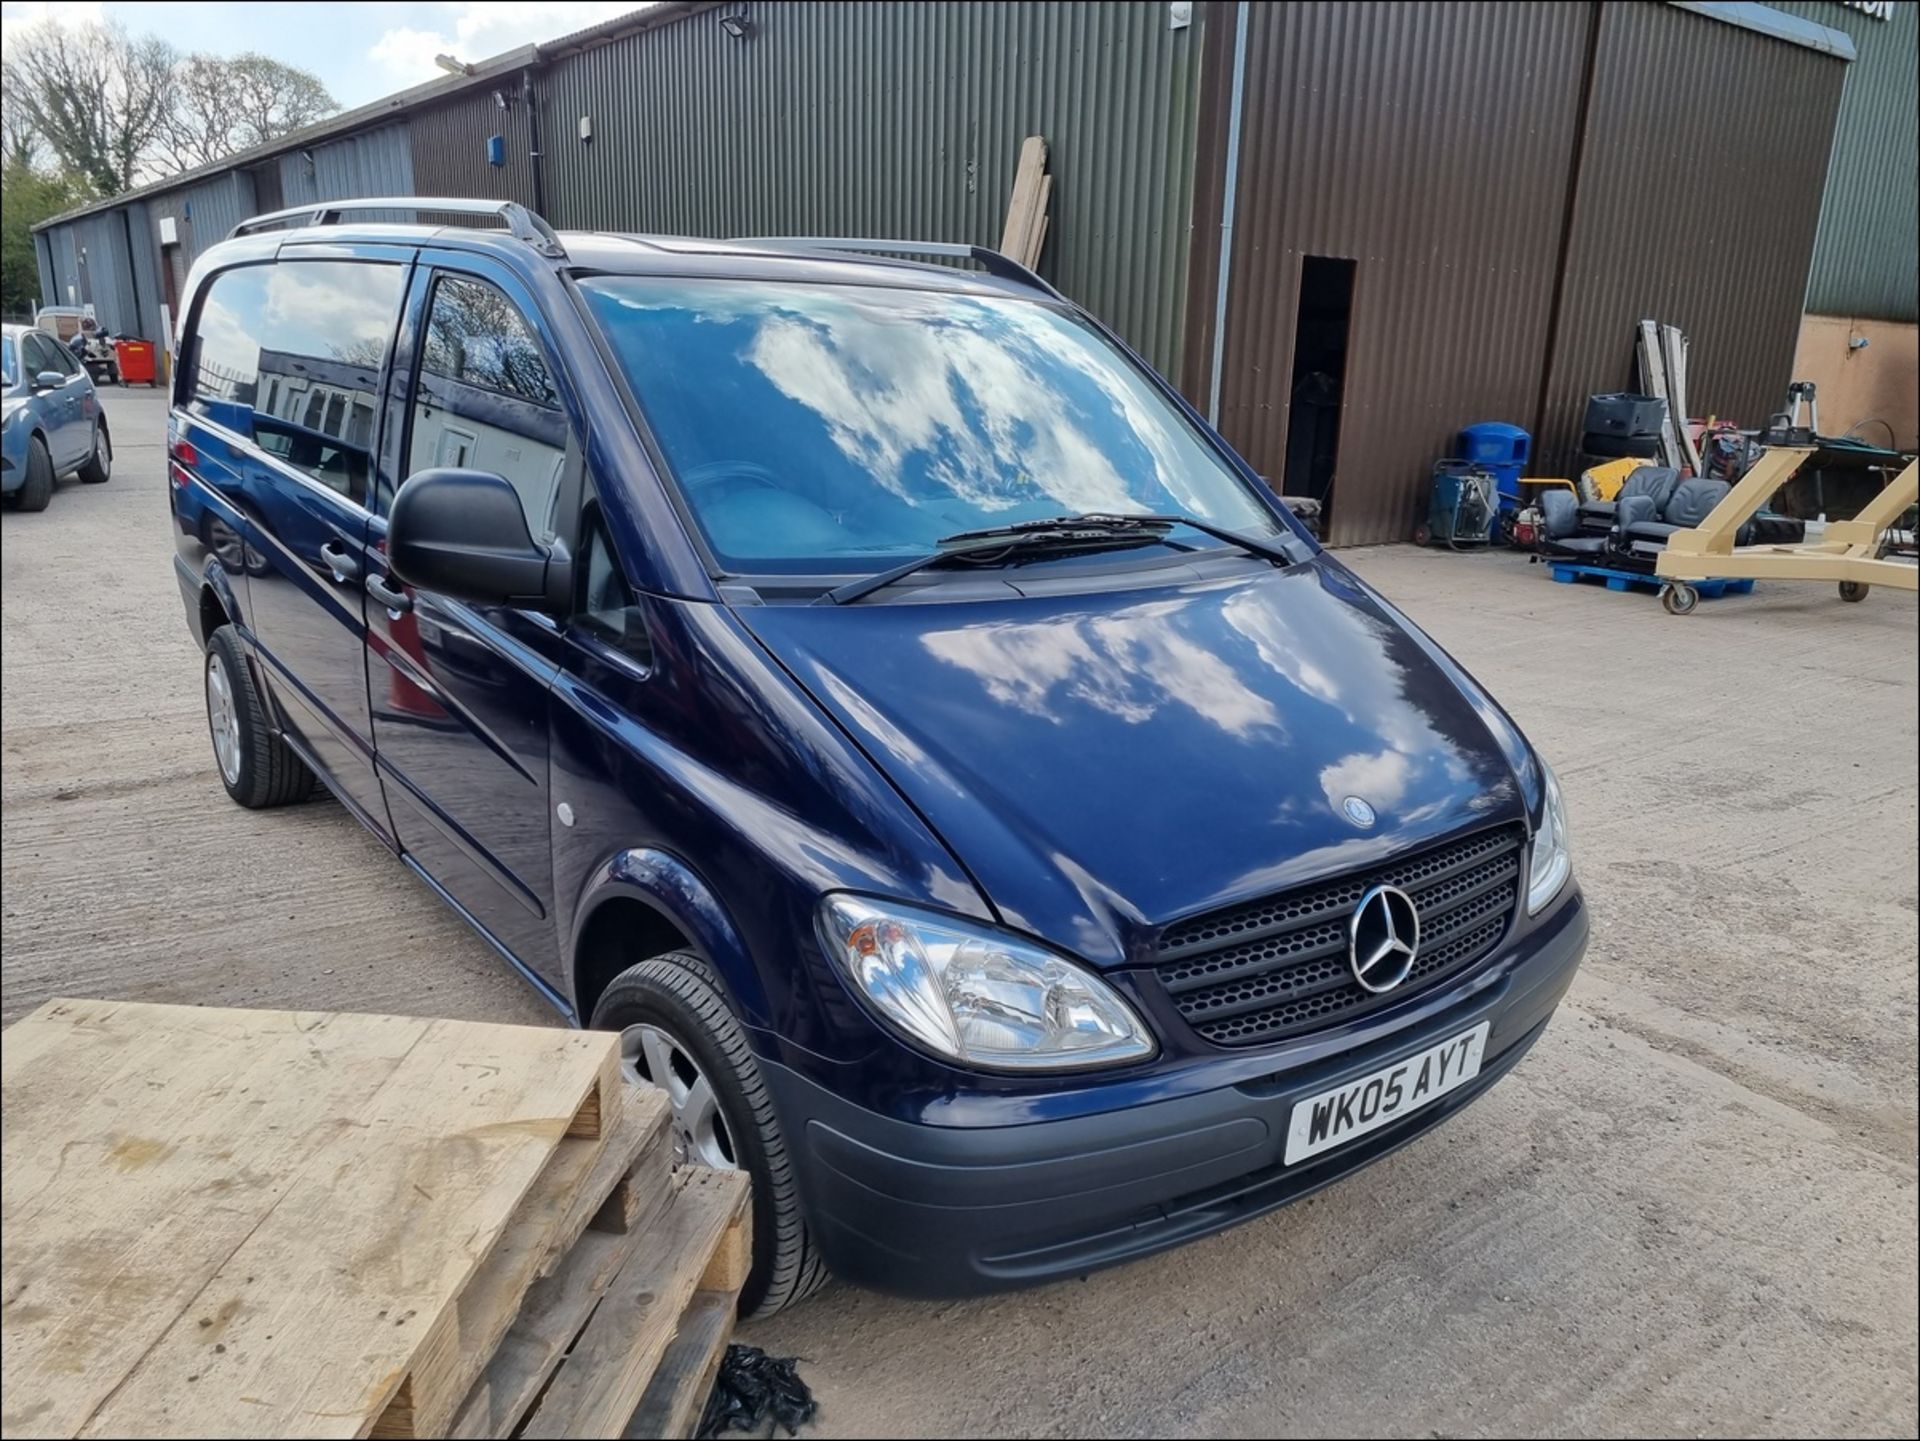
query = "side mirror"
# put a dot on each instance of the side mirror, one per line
(462, 533)
(49, 380)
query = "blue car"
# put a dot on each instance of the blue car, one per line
(864, 685)
(52, 423)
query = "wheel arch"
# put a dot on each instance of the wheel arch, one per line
(642, 903)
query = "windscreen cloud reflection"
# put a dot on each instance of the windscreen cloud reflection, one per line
(834, 428)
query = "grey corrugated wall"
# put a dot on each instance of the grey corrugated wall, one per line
(1698, 201)
(900, 120)
(374, 162)
(1866, 261)
(449, 147)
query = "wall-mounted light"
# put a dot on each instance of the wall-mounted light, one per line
(452, 66)
(738, 26)
(502, 100)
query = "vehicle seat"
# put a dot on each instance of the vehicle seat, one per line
(1656, 481)
(1560, 532)
(1692, 501)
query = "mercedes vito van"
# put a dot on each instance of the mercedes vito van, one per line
(869, 689)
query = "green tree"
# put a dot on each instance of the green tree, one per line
(28, 196)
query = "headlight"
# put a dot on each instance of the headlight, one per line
(977, 996)
(1552, 863)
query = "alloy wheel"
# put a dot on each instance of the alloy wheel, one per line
(223, 719)
(653, 1056)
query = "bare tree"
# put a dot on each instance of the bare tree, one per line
(94, 94)
(223, 105)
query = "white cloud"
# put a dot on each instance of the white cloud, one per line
(474, 32)
(68, 13)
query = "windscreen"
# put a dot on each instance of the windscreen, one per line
(833, 428)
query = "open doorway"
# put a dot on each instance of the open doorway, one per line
(1319, 369)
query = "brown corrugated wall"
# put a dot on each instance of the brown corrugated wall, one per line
(1457, 153)
(1698, 204)
(1429, 144)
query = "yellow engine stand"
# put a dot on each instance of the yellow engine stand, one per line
(1848, 553)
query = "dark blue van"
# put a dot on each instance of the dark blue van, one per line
(869, 689)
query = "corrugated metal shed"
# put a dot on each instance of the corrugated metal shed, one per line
(1866, 261)
(1698, 200)
(1431, 144)
(449, 145)
(205, 212)
(374, 162)
(899, 120)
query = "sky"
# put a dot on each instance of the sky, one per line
(360, 51)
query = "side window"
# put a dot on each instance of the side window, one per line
(289, 355)
(36, 355)
(47, 354)
(605, 605)
(485, 399)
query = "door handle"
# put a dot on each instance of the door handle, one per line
(396, 601)
(345, 567)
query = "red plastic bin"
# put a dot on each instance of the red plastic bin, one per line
(136, 362)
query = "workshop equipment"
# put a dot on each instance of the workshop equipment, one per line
(1460, 508)
(1502, 449)
(1848, 552)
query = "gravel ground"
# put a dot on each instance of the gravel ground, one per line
(1690, 1210)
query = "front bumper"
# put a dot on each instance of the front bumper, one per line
(953, 1211)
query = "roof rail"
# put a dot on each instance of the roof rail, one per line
(991, 261)
(518, 221)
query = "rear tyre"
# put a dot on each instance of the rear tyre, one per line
(99, 467)
(258, 769)
(1853, 591)
(677, 1032)
(37, 489)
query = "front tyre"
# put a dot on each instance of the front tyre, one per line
(677, 1032)
(37, 489)
(257, 767)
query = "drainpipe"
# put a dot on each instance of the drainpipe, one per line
(533, 141)
(133, 268)
(1234, 111)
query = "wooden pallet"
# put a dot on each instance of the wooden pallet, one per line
(1633, 580)
(272, 1223)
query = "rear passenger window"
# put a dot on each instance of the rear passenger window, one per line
(289, 355)
(485, 398)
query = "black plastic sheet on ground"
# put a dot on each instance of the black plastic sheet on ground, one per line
(757, 1394)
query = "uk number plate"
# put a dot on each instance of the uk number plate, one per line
(1348, 1112)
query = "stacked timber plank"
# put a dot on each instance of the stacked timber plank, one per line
(1025, 234)
(270, 1223)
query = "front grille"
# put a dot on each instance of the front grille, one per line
(1278, 966)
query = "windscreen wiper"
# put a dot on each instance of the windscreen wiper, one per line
(1055, 535)
(1281, 548)
(1008, 543)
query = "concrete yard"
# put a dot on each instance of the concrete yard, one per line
(1692, 1209)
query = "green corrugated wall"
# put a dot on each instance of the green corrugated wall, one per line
(1866, 259)
(900, 120)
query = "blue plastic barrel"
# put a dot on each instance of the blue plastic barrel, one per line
(1502, 449)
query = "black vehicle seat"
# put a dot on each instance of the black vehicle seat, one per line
(1560, 529)
(1692, 501)
(1656, 481)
